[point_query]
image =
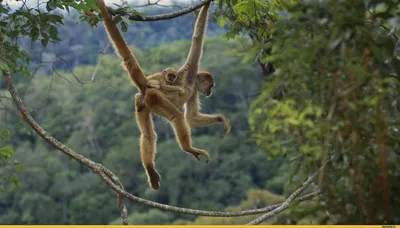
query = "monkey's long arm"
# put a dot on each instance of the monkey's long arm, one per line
(192, 63)
(197, 119)
(172, 88)
(122, 49)
(163, 86)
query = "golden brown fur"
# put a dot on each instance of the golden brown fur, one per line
(204, 84)
(165, 82)
(166, 102)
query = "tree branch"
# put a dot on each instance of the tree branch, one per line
(160, 17)
(287, 202)
(114, 182)
(97, 168)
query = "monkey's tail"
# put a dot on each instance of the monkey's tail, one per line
(122, 49)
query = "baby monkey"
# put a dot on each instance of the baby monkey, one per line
(162, 81)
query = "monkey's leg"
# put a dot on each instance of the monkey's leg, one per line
(201, 120)
(157, 103)
(147, 144)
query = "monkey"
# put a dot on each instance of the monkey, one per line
(204, 84)
(165, 103)
(164, 80)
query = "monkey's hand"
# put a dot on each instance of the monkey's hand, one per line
(181, 92)
(227, 124)
(153, 84)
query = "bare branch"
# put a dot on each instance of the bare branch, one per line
(106, 174)
(287, 202)
(99, 61)
(114, 183)
(97, 168)
(160, 17)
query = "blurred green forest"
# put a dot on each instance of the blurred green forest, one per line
(97, 118)
(302, 82)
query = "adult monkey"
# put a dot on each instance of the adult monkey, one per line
(166, 105)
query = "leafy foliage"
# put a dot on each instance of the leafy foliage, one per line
(341, 92)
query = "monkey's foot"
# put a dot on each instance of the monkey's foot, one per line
(154, 179)
(227, 129)
(227, 124)
(201, 152)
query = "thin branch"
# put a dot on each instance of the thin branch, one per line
(147, 4)
(287, 202)
(53, 65)
(114, 183)
(106, 174)
(391, 33)
(99, 61)
(160, 17)
(61, 147)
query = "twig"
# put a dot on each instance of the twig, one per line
(382, 25)
(287, 202)
(97, 168)
(99, 61)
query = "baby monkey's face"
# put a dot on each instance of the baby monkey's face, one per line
(171, 77)
(170, 74)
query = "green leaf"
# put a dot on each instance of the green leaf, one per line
(53, 31)
(220, 3)
(117, 19)
(4, 66)
(51, 5)
(34, 34)
(124, 26)
(45, 41)
(4, 134)
(91, 4)
(221, 23)
(6, 152)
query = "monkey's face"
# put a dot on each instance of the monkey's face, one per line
(171, 77)
(170, 74)
(205, 83)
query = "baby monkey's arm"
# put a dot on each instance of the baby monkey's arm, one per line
(163, 86)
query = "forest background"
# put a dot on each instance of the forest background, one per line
(304, 83)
